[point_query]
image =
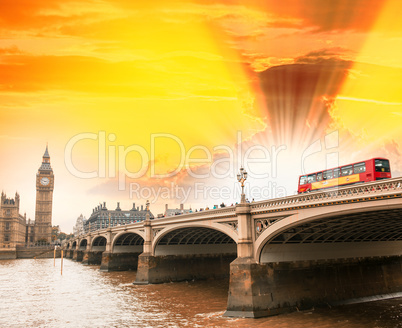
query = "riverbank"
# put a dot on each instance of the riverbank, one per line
(28, 253)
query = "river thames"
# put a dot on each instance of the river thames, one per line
(34, 294)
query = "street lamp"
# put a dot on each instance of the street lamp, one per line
(242, 177)
(147, 218)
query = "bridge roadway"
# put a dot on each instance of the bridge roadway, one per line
(324, 247)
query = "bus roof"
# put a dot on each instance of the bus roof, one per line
(371, 159)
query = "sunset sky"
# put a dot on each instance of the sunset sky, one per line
(180, 94)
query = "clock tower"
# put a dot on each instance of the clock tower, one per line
(44, 200)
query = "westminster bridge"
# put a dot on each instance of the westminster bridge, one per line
(325, 247)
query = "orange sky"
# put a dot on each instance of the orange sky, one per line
(277, 78)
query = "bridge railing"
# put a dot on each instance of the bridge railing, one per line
(382, 187)
(219, 212)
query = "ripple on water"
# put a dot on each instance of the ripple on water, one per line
(34, 294)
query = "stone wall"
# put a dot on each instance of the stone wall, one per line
(258, 290)
(119, 261)
(167, 268)
(40, 253)
(8, 254)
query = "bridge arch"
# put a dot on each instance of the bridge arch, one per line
(195, 239)
(83, 244)
(358, 231)
(99, 243)
(128, 242)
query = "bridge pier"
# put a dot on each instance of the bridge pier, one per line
(77, 255)
(119, 261)
(85, 257)
(258, 290)
(249, 289)
(249, 285)
(168, 268)
(92, 258)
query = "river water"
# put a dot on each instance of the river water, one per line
(33, 293)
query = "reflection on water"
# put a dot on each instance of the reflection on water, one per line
(34, 294)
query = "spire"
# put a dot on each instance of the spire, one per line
(46, 161)
(46, 154)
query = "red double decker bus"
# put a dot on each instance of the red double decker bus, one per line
(370, 170)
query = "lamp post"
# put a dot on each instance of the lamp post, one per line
(242, 177)
(147, 216)
(148, 231)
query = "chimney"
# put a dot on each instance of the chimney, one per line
(181, 207)
(166, 207)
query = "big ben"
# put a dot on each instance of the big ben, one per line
(44, 200)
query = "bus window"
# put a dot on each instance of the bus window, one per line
(327, 175)
(382, 165)
(303, 180)
(319, 176)
(336, 173)
(311, 178)
(347, 170)
(359, 168)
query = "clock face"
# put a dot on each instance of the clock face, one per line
(44, 181)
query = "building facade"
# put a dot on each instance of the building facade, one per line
(101, 216)
(79, 227)
(175, 211)
(30, 232)
(44, 201)
(12, 223)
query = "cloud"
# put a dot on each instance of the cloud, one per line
(327, 56)
(296, 97)
(393, 148)
(356, 15)
(13, 50)
(43, 18)
(332, 15)
(164, 78)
